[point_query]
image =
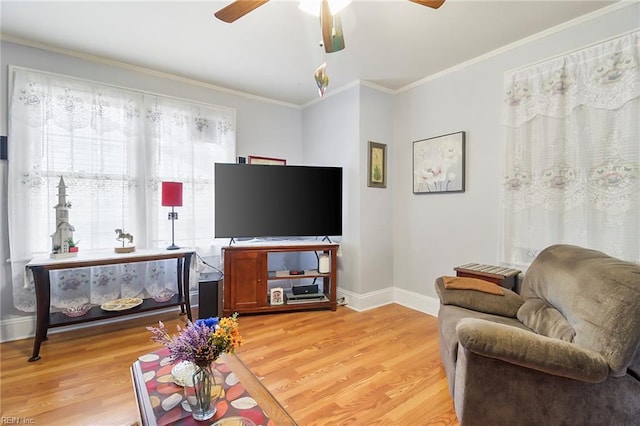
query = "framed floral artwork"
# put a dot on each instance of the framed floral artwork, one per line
(439, 164)
(377, 165)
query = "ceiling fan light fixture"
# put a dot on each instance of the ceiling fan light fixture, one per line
(312, 7)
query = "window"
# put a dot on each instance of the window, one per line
(113, 147)
(573, 153)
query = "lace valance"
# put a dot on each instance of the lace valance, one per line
(603, 76)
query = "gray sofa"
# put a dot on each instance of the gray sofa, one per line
(565, 351)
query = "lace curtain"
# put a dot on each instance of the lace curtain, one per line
(573, 153)
(113, 147)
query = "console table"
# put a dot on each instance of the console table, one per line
(40, 268)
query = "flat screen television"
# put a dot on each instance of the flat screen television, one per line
(253, 200)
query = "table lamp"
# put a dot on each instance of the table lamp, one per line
(172, 197)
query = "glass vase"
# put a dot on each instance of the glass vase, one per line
(198, 393)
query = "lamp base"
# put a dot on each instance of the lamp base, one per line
(173, 247)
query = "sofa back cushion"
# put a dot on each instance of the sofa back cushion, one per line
(598, 295)
(544, 319)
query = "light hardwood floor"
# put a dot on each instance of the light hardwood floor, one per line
(378, 367)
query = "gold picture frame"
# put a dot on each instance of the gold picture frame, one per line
(377, 165)
(267, 160)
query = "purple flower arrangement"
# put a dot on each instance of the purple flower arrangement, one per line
(201, 342)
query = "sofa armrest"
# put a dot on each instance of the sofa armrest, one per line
(530, 350)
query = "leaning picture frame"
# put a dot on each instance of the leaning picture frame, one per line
(377, 165)
(439, 164)
(253, 159)
(276, 296)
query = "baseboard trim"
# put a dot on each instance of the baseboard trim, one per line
(25, 327)
(363, 302)
(17, 328)
(426, 304)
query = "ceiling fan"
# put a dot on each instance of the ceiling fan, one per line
(332, 37)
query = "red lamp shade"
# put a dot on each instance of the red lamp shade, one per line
(172, 194)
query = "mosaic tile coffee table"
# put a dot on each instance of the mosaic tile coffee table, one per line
(160, 400)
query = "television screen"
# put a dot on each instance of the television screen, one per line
(254, 200)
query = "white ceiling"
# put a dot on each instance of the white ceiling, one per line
(273, 51)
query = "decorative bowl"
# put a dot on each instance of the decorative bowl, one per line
(234, 421)
(76, 311)
(163, 296)
(182, 373)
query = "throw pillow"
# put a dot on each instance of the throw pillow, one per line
(505, 305)
(467, 283)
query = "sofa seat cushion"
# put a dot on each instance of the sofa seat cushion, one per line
(448, 318)
(506, 304)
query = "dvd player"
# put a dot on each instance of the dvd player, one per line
(304, 289)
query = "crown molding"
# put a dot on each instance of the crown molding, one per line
(111, 62)
(140, 69)
(537, 36)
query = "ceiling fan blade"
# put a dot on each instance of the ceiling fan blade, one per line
(326, 21)
(434, 4)
(337, 36)
(332, 36)
(238, 9)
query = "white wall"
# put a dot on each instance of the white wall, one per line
(336, 131)
(433, 233)
(376, 207)
(330, 131)
(395, 243)
(263, 128)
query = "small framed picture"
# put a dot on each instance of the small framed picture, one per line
(267, 160)
(277, 296)
(377, 165)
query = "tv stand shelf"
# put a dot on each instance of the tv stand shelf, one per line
(246, 277)
(285, 275)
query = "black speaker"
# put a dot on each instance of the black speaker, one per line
(209, 298)
(3, 147)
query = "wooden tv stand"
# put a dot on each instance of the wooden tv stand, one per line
(247, 278)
